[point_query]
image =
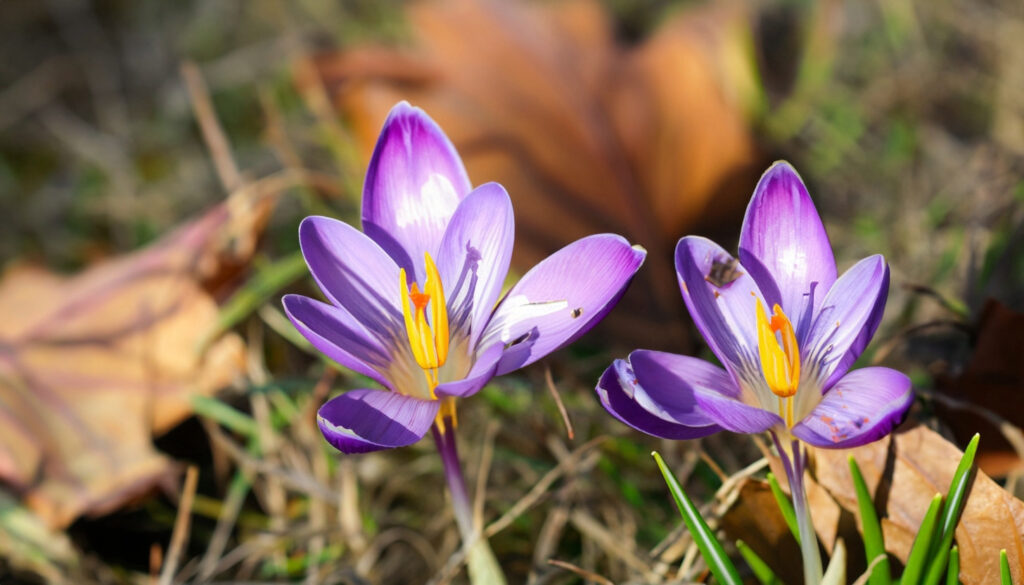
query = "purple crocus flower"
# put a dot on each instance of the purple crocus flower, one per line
(785, 328)
(415, 300)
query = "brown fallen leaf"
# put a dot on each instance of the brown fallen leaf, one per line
(586, 134)
(756, 520)
(903, 472)
(993, 380)
(92, 365)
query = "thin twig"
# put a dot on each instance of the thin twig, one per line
(291, 478)
(181, 526)
(558, 402)
(213, 133)
(541, 487)
(486, 457)
(225, 522)
(611, 544)
(588, 575)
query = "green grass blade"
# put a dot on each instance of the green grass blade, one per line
(958, 489)
(785, 506)
(1004, 569)
(953, 571)
(761, 570)
(874, 545)
(710, 549)
(225, 415)
(922, 543)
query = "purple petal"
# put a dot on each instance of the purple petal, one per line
(413, 185)
(369, 420)
(353, 272)
(474, 257)
(481, 373)
(686, 386)
(735, 415)
(725, 315)
(847, 320)
(338, 335)
(623, 397)
(672, 383)
(864, 406)
(784, 245)
(562, 297)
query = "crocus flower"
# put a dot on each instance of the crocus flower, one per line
(784, 327)
(415, 299)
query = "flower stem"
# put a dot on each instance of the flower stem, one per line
(483, 566)
(794, 460)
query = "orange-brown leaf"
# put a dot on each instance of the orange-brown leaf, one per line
(92, 365)
(909, 468)
(586, 134)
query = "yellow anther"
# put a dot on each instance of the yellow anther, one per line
(421, 340)
(780, 362)
(438, 309)
(428, 340)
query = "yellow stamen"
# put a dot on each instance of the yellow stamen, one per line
(779, 362)
(439, 310)
(428, 341)
(420, 337)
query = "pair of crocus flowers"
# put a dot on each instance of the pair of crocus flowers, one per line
(416, 304)
(416, 298)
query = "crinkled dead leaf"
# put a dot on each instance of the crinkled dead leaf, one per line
(587, 135)
(904, 471)
(92, 365)
(993, 381)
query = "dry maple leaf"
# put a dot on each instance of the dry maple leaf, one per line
(904, 471)
(91, 366)
(587, 135)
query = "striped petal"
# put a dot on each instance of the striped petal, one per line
(561, 298)
(784, 245)
(625, 399)
(864, 406)
(414, 183)
(722, 299)
(360, 421)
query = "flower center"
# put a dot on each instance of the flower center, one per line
(780, 357)
(428, 339)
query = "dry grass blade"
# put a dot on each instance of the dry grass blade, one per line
(213, 133)
(456, 561)
(550, 382)
(541, 487)
(611, 544)
(588, 575)
(486, 458)
(181, 527)
(294, 479)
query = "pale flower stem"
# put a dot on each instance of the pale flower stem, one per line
(483, 566)
(794, 459)
(461, 502)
